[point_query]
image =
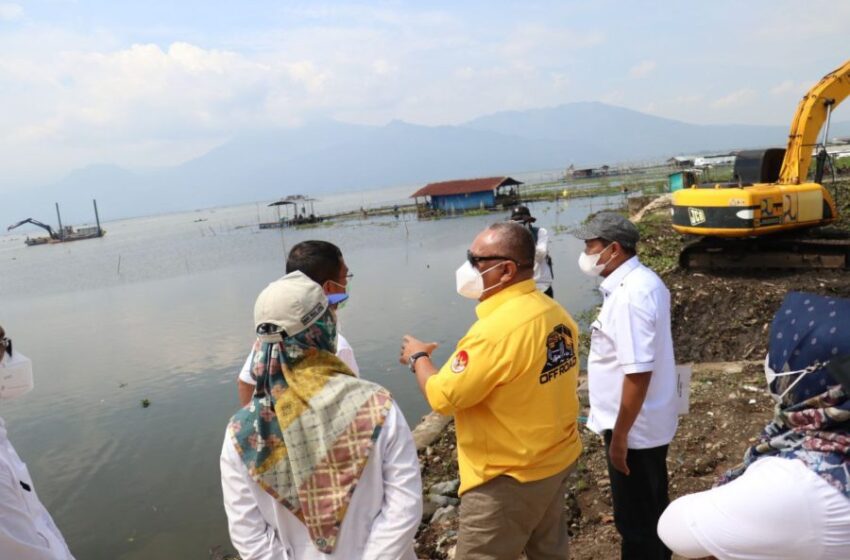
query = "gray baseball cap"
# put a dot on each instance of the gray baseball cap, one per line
(610, 227)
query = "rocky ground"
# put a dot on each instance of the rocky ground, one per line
(728, 408)
(720, 321)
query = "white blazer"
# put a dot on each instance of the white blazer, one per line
(382, 517)
(27, 532)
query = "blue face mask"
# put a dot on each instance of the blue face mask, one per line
(339, 299)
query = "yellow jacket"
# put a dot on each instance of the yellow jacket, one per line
(511, 385)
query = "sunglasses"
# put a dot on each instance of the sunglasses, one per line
(475, 259)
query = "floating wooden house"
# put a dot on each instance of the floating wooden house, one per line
(450, 197)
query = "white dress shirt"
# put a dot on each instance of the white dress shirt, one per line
(27, 532)
(632, 335)
(344, 352)
(382, 517)
(542, 270)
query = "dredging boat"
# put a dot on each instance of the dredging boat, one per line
(64, 233)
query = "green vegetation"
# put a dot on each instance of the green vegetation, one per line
(477, 212)
(660, 245)
(603, 188)
(841, 193)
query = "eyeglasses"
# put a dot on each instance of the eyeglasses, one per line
(475, 259)
(348, 278)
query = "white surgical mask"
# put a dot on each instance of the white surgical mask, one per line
(771, 376)
(470, 282)
(15, 376)
(589, 264)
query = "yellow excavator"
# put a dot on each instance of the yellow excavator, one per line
(746, 223)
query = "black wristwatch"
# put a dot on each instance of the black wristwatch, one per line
(411, 361)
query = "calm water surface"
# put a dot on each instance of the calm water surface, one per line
(161, 309)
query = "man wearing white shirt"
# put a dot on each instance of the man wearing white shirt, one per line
(323, 263)
(542, 261)
(27, 532)
(631, 377)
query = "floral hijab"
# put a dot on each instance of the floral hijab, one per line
(307, 433)
(812, 422)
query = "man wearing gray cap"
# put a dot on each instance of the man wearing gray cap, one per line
(631, 377)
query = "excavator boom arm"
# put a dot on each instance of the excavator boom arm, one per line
(35, 223)
(811, 113)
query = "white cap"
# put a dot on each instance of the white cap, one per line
(291, 303)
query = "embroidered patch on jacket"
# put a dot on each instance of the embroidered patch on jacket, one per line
(560, 354)
(460, 362)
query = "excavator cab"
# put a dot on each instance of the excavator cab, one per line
(758, 166)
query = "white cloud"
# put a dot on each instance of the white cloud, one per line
(790, 87)
(614, 97)
(90, 97)
(689, 99)
(785, 87)
(642, 69)
(734, 99)
(10, 12)
(536, 40)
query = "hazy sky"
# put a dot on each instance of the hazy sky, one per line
(142, 84)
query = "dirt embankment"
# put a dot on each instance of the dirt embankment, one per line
(717, 317)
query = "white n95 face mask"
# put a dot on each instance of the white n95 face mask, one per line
(15, 376)
(589, 264)
(470, 282)
(771, 376)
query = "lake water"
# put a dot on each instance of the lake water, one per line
(161, 309)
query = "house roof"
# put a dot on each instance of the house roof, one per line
(464, 186)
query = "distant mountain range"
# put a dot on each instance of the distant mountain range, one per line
(329, 156)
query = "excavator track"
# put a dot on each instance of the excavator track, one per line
(815, 249)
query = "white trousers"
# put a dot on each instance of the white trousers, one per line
(777, 510)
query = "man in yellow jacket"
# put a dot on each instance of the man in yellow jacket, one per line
(511, 386)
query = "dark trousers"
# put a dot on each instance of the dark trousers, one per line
(639, 500)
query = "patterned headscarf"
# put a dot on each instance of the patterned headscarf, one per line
(307, 433)
(812, 423)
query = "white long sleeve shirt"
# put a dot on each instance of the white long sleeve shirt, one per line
(382, 517)
(27, 532)
(542, 271)
(344, 352)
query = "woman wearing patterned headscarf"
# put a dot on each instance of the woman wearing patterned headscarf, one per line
(790, 498)
(320, 464)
